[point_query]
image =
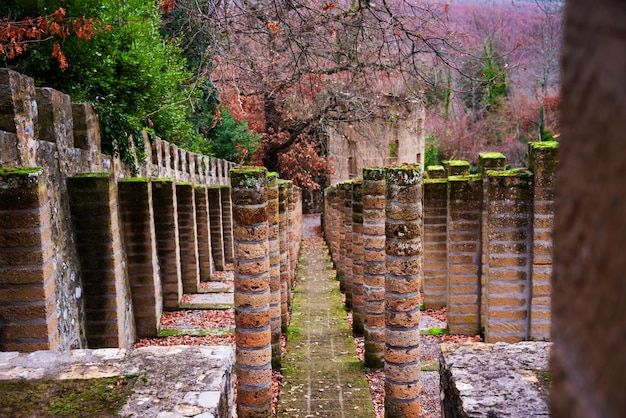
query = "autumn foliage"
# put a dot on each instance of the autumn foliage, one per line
(15, 36)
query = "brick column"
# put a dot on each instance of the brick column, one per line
(508, 251)
(345, 262)
(27, 269)
(291, 262)
(142, 265)
(168, 252)
(374, 265)
(187, 236)
(109, 320)
(227, 224)
(486, 161)
(463, 245)
(252, 292)
(283, 233)
(217, 232)
(403, 256)
(274, 255)
(205, 259)
(543, 163)
(358, 298)
(435, 284)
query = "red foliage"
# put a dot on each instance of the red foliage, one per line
(16, 35)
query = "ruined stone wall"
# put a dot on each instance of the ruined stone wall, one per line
(396, 137)
(53, 236)
(486, 240)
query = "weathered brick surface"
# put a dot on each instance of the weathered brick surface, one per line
(138, 231)
(357, 258)
(508, 234)
(374, 265)
(435, 228)
(109, 319)
(188, 237)
(463, 253)
(227, 224)
(273, 219)
(168, 251)
(285, 283)
(216, 222)
(252, 293)
(403, 226)
(346, 242)
(203, 229)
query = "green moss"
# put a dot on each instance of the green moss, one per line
(100, 175)
(163, 180)
(133, 180)
(491, 156)
(435, 168)
(544, 145)
(458, 163)
(430, 366)
(184, 183)
(435, 331)
(65, 398)
(458, 178)
(272, 175)
(373, 173)
(433, 181)
(19, 171)
(516, 172)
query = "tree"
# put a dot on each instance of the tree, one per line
(312, 64)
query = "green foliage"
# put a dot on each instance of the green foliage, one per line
(484, 87)
(229, 139)
(431, 152)
(494, 85)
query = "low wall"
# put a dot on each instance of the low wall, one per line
(486, 239)
(75, 224)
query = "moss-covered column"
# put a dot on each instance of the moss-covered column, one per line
(217, 232)
(252, 292)
(346, 242)
(168, 252)
(374, 265)
(403, 256)
(203, 228)
(285, 291)
(358, 299)
(188, 237)
(463, 247)
(508, 249)
(435, 284)
(486, 161)
(142, 264)
(27, 269)
(109, 320)
(273, 218)
(543, 163)
(227, 223)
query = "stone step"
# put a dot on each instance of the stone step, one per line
(208, 301)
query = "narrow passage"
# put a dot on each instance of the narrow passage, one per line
(322, 376)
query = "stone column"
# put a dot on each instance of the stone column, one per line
(486, 161)
(205, 258)
(543, 163)
(252, 292)
(374, 265)
(508, 251)
(168, 252)
(227, 223)
(464, 194)
(284, 254)
(217, 232)
(346, 243)
(109, 320)
(358, 299)
(274, 255)
(27, 269)
(188, 238)
(435, 284)
(290, 240)
(403, 256)
(142, 264)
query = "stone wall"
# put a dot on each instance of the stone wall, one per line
(72, 226)
(486, 241)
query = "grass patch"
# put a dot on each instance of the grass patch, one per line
(430, 366)
(65, 398)
(435, 331)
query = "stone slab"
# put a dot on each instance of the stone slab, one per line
(209, 301)
(175, 381)
(495, 380)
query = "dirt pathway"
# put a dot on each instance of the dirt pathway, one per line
(322, 375)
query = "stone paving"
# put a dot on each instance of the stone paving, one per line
(322, 377)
